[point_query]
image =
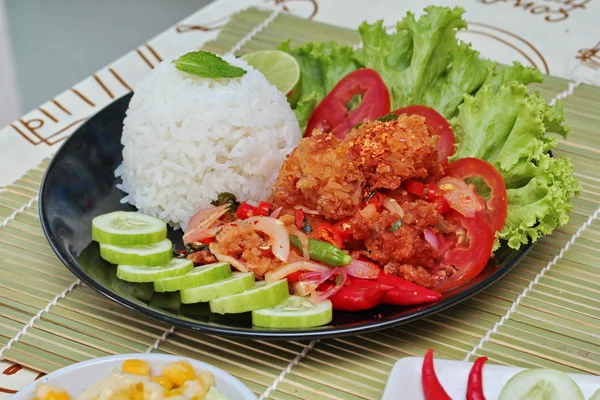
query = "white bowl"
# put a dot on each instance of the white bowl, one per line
(78, 377)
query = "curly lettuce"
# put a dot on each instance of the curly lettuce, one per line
(493, 114)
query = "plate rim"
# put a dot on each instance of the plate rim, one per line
(255, 332)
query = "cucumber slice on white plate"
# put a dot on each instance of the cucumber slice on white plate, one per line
(537, 384)
(262, 295)
(294, 312)
(128, 228)
(202, 275)
(237, 283)
(147, 254)
(144, 273)
(596, 395)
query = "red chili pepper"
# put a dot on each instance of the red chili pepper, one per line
(358, 295)
(442, 205)
(475, 385)
(432, 388)
(299, 219)
(208, 240)
(325, 231)
(294, 276)
(405, 293)
(344, 229)
(245, 210)
(263, 209)
(376, 199)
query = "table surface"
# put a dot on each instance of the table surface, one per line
(561, 38)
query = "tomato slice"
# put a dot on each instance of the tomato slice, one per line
(436, 125)
(331, 115)
(468, 259)
(497, 203)
(327, 232)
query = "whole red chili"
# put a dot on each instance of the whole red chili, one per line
(405, 293)
(475, 385)
(358, 295)
(432, 388)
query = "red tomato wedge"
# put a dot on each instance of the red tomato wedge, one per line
(436, 125)
(468, 259)
(497, 204)
(331, 115)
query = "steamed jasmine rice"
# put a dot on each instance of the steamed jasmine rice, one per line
(186, 139)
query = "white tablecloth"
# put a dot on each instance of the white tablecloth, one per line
(560, 37)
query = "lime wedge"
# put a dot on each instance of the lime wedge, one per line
(202, 275)
(280, 68)
(237, 283)
(262, 295)
(294, 312)
(147, 254)
(127, 228)
(144, 273)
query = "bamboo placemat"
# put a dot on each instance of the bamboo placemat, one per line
(546, 312)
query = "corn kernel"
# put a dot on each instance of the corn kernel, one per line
(173, 392)
(208, 379)
(57, 396)
(179, 372)
(138, 396)
(163, 381)
(137, 367)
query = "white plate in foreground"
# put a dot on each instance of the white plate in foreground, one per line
(404, 382)
(78, 377)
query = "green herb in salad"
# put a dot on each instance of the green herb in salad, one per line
(207, 65)
(493, 115)
(224, 198)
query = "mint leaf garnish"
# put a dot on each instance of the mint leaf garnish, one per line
(207, 65)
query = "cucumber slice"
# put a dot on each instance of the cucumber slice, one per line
(148, 254)
(203, 275)
(536, 384)
(295, 312)
(144, 273)
(596, 395)
(128, 228)
(237, 283)
(262, 295)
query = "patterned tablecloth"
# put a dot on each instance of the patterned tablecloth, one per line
(560, 37)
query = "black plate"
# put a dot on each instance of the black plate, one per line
(80, 184)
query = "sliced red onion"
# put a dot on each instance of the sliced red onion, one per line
(431, 239)
(237, 264)
(276, 212)
(287, 269)
(306, 209)
(362, 269)
(318, 297)
(196, 227)
(392, 206)
(275, 229)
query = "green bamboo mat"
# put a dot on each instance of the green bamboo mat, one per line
(555, 324)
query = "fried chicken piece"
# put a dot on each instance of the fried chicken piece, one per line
(202, 257)
(391, 152)
(405, 245)
(320, 174)
(247, 245)
(416, 274)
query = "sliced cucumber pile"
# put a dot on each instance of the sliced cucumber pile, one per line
(128, 228)
(262, 295)
(547, 384)
(596, 395)
(144, 273)
(294, 312)
(146, 269)
(236, 283)
(198, 277)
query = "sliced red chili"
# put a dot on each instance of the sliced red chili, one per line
(299, 219)
(208, 240)
(263, 209)
(245, 210)
(327, 232)
(376, 199)
(344, 229)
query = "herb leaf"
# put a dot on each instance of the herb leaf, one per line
(396, 225)
(207, 65)
(224, 198)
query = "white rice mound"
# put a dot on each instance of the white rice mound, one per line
(186, 139)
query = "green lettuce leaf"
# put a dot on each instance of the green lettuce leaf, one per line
(506, 124)
(322, 66)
